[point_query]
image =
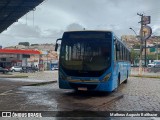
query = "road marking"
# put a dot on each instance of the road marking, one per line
(6, 92)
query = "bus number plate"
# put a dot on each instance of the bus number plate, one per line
(82, 88)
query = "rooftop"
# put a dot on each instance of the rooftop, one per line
(12, 10)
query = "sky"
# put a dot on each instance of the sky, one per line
(52, 17)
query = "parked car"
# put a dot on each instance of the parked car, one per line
(4, 70)
(26, 69)
(154, 64)
(154, 67)
(54, 67)
(16, 69)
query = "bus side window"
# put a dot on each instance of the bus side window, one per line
(118, 50)
(120, 58)
(115, 51)
(124, 55)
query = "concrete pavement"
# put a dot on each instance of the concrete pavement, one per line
(139, 94)
(32, 78)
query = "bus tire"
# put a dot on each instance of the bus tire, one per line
(119, 77)
(126, 78)
(118, 83)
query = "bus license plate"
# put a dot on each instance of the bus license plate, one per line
(82, 88)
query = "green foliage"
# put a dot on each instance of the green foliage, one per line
(151, 57)
(136, 46)
(34, 44)
(24, 43)
(134, 55)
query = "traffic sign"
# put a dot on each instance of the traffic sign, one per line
(147, 32)
(146, 20)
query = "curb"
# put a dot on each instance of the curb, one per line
(113, 99)
(40, 83)
(145, 76)
(16, 76)
(110, 98)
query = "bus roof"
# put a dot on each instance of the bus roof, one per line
(74, 31)
(90, 31)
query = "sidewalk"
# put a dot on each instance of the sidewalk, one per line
(36, 78)
(48, 76)
(145, 73)
(10, 75)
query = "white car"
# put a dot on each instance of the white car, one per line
(154, 64)
(55, 67)
(16, 69)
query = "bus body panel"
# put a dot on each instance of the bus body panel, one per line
(63, 84)
(109, 85)
(117, 68)
(123, 70)
(100, 86)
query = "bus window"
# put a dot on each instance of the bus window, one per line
(86, 55)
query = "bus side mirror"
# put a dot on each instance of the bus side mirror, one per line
(56, 46)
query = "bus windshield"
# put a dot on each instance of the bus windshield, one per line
(85, 56)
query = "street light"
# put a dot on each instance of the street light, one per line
(137, 36)
(133, 31)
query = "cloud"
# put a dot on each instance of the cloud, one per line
(74, 26)
(24, 31)
(155, 30)
(53, 17)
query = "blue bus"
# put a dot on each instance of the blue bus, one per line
(92, 61)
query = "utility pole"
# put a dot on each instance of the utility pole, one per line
(145, 54)
(141, 44)
(143, 37)
(157, 48)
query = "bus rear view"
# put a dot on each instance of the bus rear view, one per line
(85, 61)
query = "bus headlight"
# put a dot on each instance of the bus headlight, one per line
(106, 77)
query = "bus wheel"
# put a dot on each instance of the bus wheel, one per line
(118, 83)
(126, 78)
(119, 79)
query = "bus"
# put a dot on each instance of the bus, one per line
(92, 61)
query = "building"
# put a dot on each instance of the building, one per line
(47, 56)
(16, 57)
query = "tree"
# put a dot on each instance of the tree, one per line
(24, 43)
(134, 55)
(151, 57)
(136, 46)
